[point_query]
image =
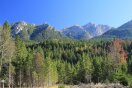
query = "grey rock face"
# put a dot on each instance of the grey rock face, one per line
(19, 26)
(87, 31)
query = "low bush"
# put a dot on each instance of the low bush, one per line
(61, 86)
(124, 81)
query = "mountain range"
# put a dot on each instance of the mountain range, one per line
(43, 32)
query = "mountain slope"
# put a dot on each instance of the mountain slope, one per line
(45, 32)
(96, 29)
(76, 32)
(37, 33)
(86, 32)
(22, 29)
(123, 32)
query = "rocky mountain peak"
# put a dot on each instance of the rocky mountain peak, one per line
(90, 29)
(19, 26)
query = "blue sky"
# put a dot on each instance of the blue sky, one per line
(64, 13)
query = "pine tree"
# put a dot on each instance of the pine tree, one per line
(21, 55)
(85, 68)
(39, 66)
(7, 50)
(61, 71)
(97, 74)
(29, 68)
(68, 70)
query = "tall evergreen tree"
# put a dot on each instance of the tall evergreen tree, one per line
(39, 66)
(7, 50)
(21, 55)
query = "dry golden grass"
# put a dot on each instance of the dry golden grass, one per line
(56, 86)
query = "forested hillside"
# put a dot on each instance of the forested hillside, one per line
(63, 61)
(122, 32)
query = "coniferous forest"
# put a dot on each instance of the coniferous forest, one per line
(63, 61)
